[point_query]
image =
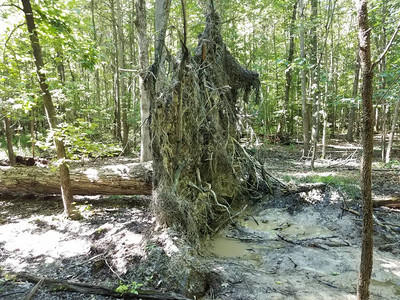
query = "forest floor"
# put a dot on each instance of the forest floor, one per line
(303, 245)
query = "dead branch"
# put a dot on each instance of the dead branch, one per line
(84, 288)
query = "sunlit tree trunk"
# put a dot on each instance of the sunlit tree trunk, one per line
(162, 10)
(314, 80)
(304, 104)
(392, 131)
(141, 26)
(50, 109)
(95, 39)
(121, 65)
(367, 142)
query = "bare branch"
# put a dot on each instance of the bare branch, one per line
(12, 5)
(9, 37)
(387, 47)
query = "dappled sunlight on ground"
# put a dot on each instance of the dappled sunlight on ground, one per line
(391, 265)
(37, 237)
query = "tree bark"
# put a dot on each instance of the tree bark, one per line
(382, 67)
(314, 81)
(391, 136)
(121, 65)
(7, 129)
(117, 83)
(122, 179)
(305, 110)
(141, 26)
(288, 72)
(95, 39)
(352, 115)
(49, 107)
(368, 142)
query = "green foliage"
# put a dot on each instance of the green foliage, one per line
(84, 210)
(128, 288)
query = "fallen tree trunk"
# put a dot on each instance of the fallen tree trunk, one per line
(393, 203)
(119, 179)
(84, 288)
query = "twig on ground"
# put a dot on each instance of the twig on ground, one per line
(34, 289)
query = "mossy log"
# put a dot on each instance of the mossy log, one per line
(118, 179)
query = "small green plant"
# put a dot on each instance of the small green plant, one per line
(291, 147)
(2, 281)
(131, 288)
(84, 209)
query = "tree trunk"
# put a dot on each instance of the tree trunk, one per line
(33, 131)
(7, 129)
(366, 164)
(288, 71)
(352, 115)
(49, 107)
(314, 86)
(122, 179)
(392, 131)
(97, 73)
(141, 26)
(121, 61)
(305, 110)
(117, 82)
(162, 10)
(382, 67)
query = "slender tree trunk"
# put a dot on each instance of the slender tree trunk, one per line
(33, 130)
(121, 65)
(352, 114)
(141, 26)
(49, 107)
(383, 84)
(117, 81)
(304, 104)
(7, 129)
(162, 9)
(288, 72)
(325, 108)
(314, 80)
(367, 141)
(97, 73)
(391, 136)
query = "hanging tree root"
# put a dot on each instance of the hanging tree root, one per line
(200, 170)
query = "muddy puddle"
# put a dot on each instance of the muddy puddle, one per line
(311, 254)
(288, 228)
(227, 246)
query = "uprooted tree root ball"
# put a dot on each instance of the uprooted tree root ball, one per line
(200, 169)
